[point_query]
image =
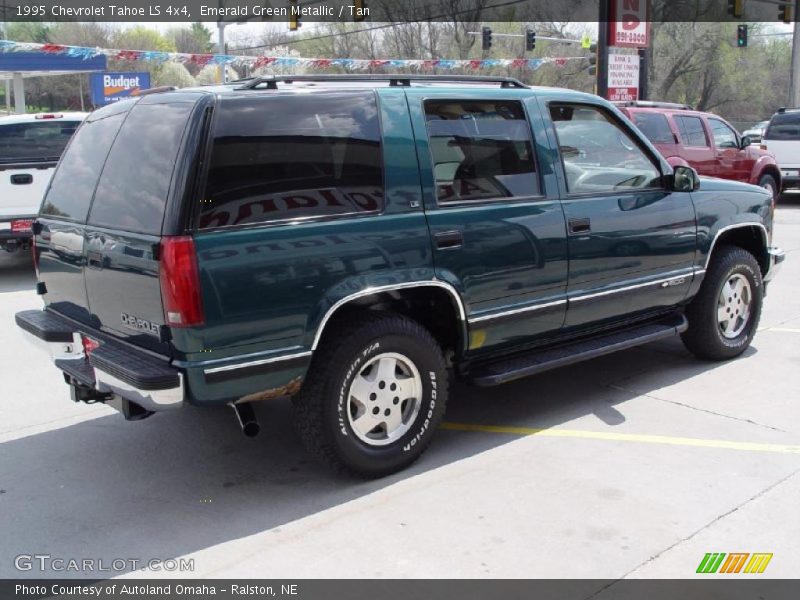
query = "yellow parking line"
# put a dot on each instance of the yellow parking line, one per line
(626, 437)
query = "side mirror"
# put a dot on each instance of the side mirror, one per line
(684, 179)
(745, 142)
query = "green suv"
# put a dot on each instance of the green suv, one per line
(353, 241)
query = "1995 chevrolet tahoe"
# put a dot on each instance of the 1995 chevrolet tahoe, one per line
(349, 241)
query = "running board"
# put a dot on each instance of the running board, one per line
(516, 367)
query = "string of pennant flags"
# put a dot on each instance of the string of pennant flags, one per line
(255, 62)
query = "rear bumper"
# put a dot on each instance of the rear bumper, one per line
(776, 258)
(112, 369)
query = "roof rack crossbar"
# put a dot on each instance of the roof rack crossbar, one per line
(653, 104)
(397, 80)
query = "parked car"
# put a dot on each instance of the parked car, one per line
(350, 241)
(30, 146)
(704, 141)
(782, 138)
(756, 132)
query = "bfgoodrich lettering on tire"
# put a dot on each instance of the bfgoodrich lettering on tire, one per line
(374, 396)
(724, 315)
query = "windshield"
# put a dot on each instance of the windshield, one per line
(35, 141)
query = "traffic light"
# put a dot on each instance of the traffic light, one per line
(294, 16)
(741, 36)
(736, 8)
(592, 58)
(359, 14)
(785, 12)
(486, 36)
(530, 40)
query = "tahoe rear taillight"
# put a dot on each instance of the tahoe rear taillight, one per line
(180, 282)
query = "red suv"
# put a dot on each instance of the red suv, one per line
(703, 141)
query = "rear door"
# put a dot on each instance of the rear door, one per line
(62, 218)
(497, 227)
(695, 144)
(124, 227)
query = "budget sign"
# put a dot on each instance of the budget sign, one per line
(110, 87)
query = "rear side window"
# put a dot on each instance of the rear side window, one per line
(784, 126)
(132, 193)
(655, 127)
(481, 150)
(74, 181)
(691, 131)
(35, 141)
(290, 157)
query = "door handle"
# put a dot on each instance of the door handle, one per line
(449, 239)
(580, 225)
(21, 179)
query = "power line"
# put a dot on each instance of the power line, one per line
(384, 26)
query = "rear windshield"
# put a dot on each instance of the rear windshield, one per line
(133, 189)
(36, 141)
(784, 126)
(655, 127)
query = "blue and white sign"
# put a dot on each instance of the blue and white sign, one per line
(111, 87)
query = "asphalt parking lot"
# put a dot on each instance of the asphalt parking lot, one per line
(632, 465)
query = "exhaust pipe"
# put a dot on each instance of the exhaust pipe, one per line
(247, 419)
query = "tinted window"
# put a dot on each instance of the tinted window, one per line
(691, 131)
(599, 154)
(36, 141)
(655, 127)
(784, 126)
(133, 189)
(76, 177)
(481, 150)
(724, 136)
(289, 157)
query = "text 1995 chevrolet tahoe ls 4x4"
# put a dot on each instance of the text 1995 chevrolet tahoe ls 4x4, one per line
(349, 240)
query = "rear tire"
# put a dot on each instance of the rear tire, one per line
(768, 183)
(724, 315)
(374, 396)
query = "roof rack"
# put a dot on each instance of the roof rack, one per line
(784, 109)
(158, 90)
(271, 82)
(653, 104)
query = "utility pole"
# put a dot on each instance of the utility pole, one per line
(602, 49)
(794, 85)
(643, 74)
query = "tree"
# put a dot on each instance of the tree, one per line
(192, 40)
(173, 74)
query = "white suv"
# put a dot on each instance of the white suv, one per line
(30, 146)
(782, 138)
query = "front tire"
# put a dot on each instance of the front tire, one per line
(374, 396)
(724, 315)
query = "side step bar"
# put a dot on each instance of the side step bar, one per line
(516, 367)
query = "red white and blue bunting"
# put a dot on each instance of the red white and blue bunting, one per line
(256, 62)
